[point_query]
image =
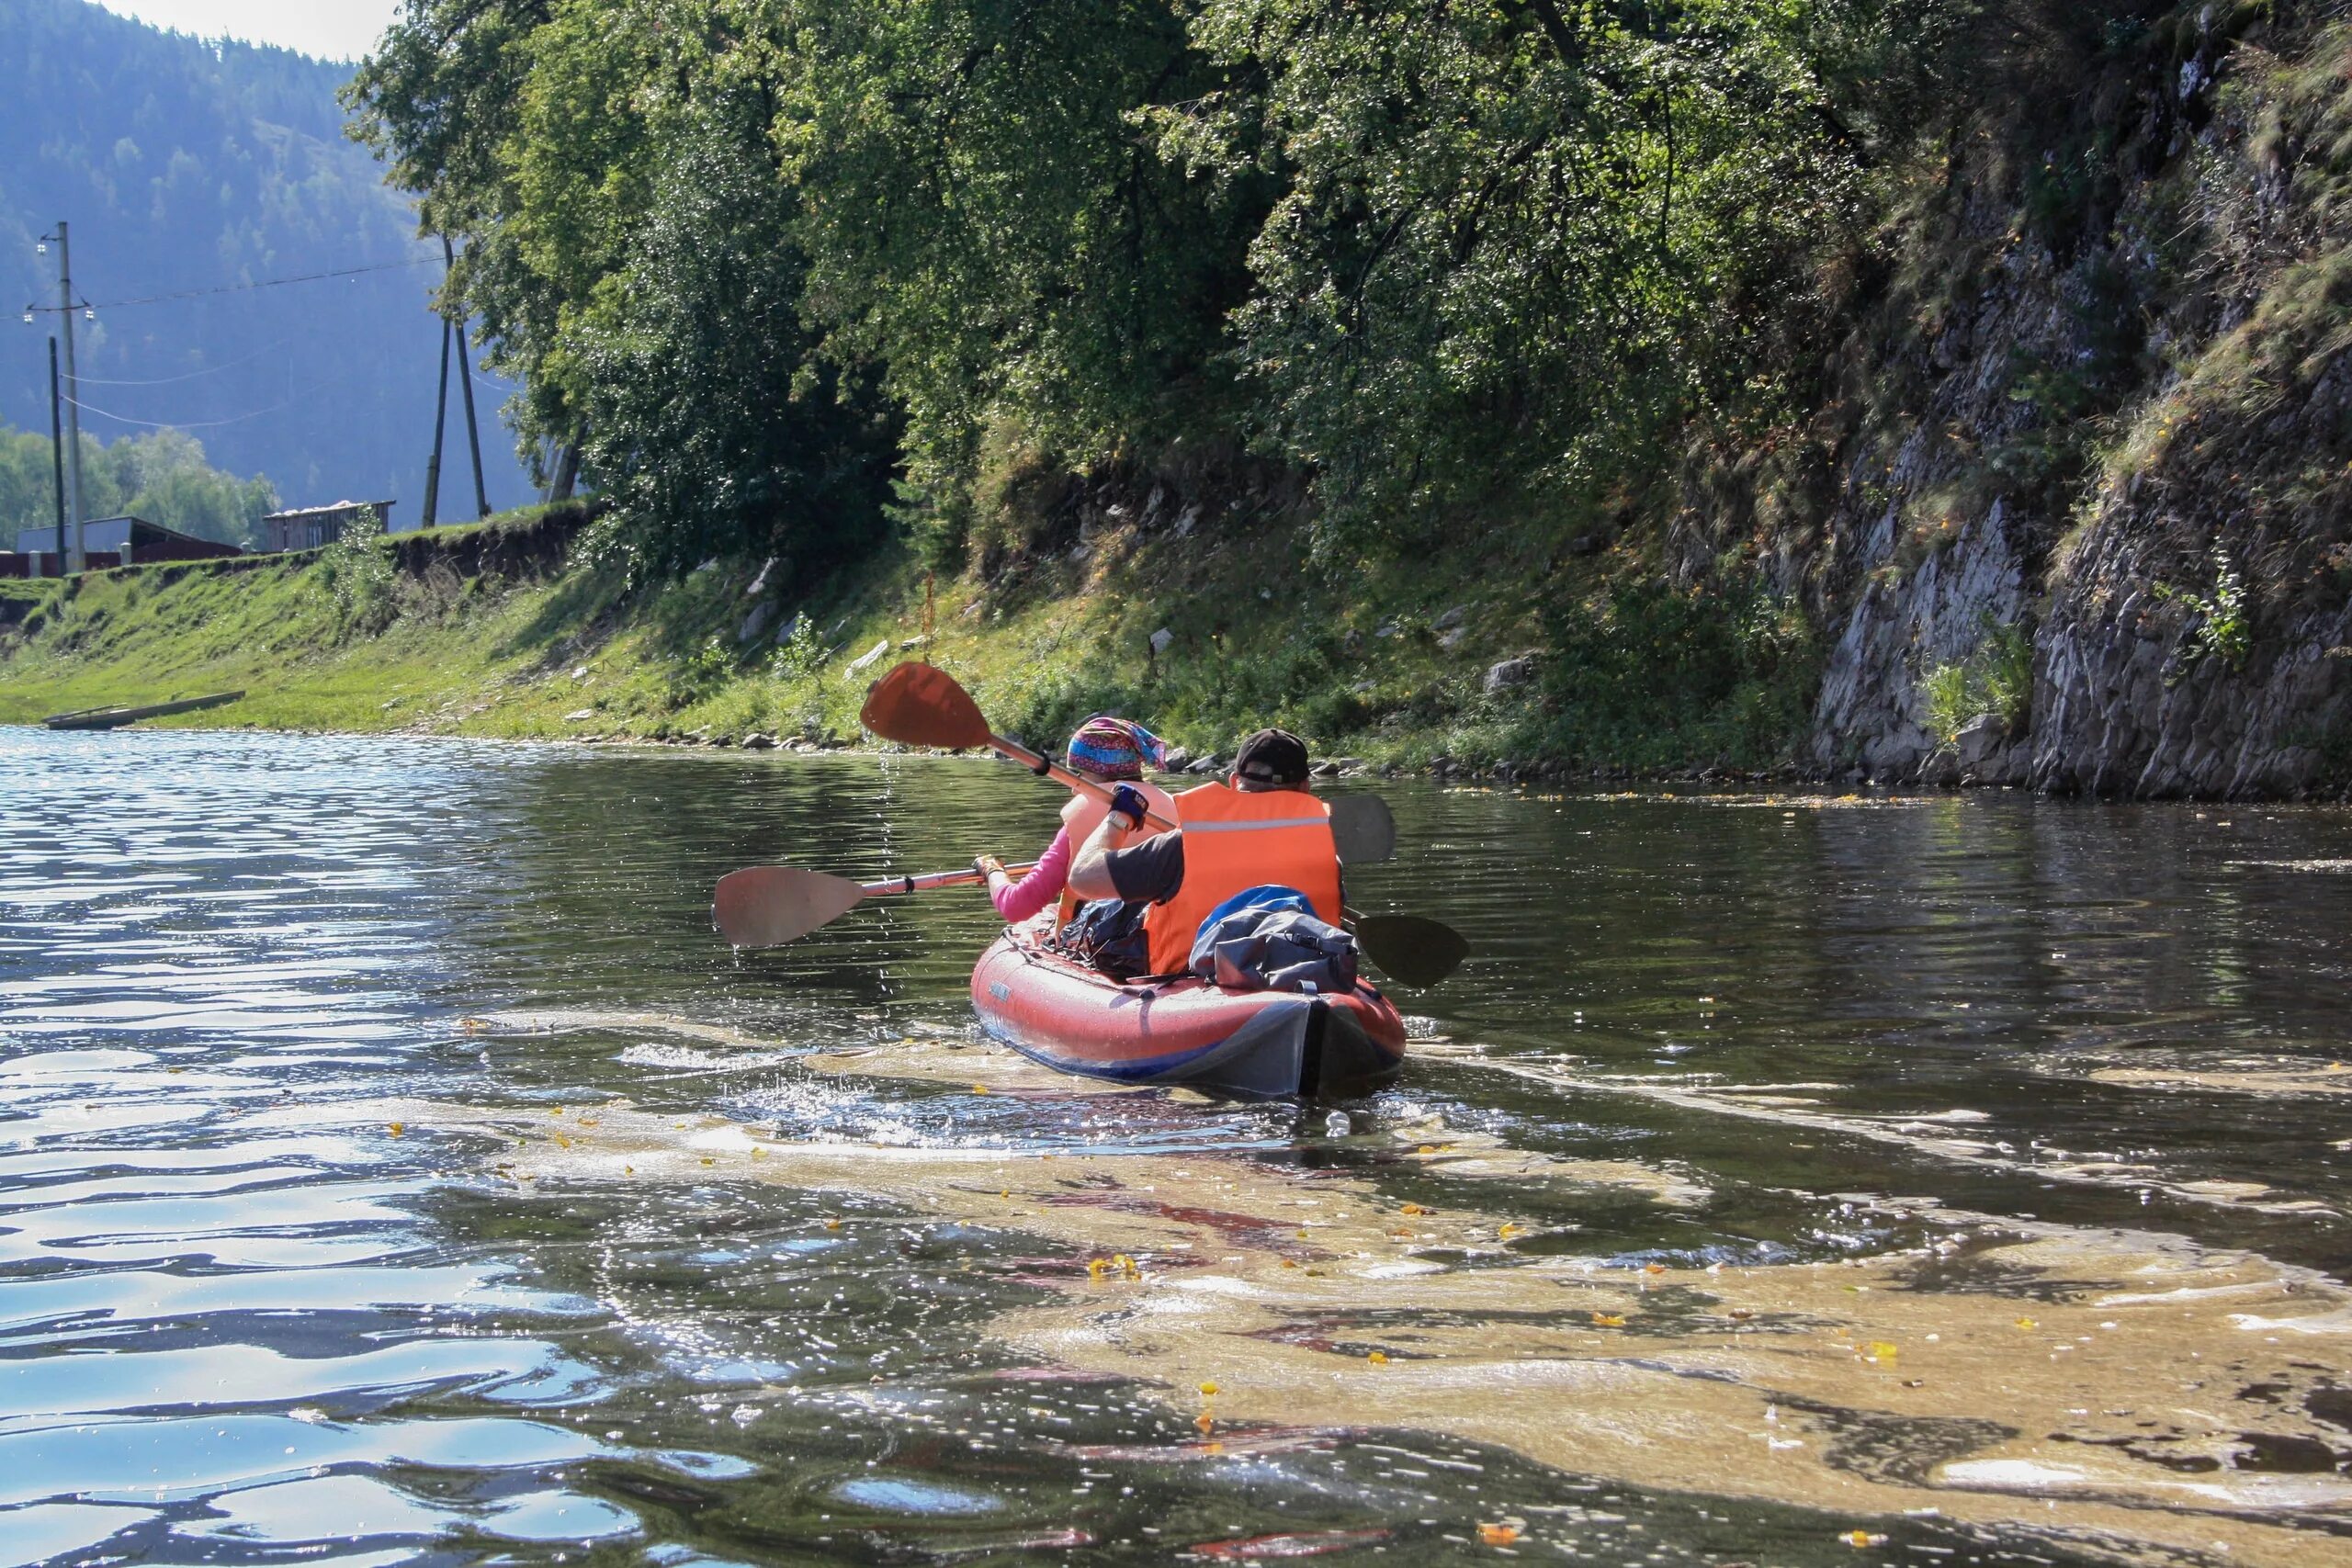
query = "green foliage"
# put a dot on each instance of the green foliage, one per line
(161, 477)
(1417, 250)
(1657, 676)
(802, 654)
(1517, 239)
(1946, 693)
(701, 672)
(357, 569)
(986, 219)
(1996, 678)
(635, 262)
(2222, 630)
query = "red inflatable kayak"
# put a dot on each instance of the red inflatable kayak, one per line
(1265, 1044)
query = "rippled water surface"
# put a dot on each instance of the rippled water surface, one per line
(394, 1167)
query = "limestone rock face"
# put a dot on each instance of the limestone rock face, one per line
(2177, 562)
(1979, 741)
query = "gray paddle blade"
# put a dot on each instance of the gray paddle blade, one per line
(1363, 829)
(1411, 950)
(767, 906)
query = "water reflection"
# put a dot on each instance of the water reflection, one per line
(391, 1164)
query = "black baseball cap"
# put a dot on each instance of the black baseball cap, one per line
(1271, 757)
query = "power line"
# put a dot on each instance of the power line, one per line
(168, 380)
(263, 283)
(195, 424)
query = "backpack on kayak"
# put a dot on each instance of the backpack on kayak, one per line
(1270, 938)
(1106, 935)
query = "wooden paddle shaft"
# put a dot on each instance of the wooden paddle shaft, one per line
(1047, 768)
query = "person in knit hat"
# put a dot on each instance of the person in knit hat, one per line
(1110, 750)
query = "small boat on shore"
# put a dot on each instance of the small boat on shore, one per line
(1266, 1045)
(116, 717)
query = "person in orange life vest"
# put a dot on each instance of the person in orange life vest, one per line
(1260, 825)
(1110, 750)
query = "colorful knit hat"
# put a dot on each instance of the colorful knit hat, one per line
(1112, 748)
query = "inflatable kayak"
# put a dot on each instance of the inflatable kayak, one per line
(1263, 1043)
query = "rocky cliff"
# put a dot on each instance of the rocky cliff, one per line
(2092, 520)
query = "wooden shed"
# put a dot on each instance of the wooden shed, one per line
(308, 527)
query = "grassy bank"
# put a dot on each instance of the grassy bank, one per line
(505, 629)
(500, 630)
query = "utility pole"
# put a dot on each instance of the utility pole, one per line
(72, 393)
(466, 381)
(440, 421)
(57, 453)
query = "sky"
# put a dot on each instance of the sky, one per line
(331, 29)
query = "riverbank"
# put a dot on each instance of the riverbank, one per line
(509, 629)
(1196, 603)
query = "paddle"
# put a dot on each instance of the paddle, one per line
(767, 906)
(1410, 949)
(921, 704)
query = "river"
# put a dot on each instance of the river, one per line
(396, 1169)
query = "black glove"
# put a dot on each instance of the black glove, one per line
(1128, 802)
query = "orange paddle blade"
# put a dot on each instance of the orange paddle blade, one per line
(920, 704)
(767, 906)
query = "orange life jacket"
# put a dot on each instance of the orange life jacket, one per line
(1236, 839)
(1081, 814)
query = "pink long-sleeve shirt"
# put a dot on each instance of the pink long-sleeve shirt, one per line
(1016, 901)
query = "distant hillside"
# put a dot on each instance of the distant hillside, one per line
(185, 165)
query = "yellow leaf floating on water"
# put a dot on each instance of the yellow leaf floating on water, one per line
(1863, 1538)
(1425, 1149)
(1653, 1268)
(1095, 1268)
(396, 1128)
(1879, 1351)
(832, 1224)
(1608, 1320)
(979, 1088)
(709, 1160)
(1126, 1266)
(1209, 1388)
(1289, 1264)
(1498, 1535)
(2028, 1324)
(1413, 1208)
(1507, 1230)
(1378, 1357)
(629, 1170)
(758, 1152)
(563, 1143)
(1205, 1421)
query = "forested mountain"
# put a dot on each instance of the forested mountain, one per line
(186, 166)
